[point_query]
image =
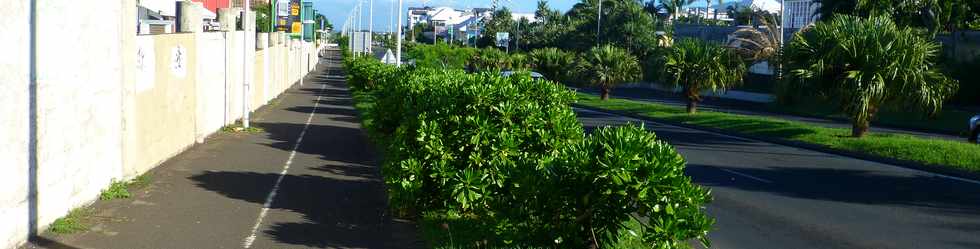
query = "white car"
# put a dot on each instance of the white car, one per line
(975, 129)
(534, 75)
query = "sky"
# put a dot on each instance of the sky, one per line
(337, 10)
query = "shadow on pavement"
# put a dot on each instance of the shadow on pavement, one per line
(342, 198)
(927, 194)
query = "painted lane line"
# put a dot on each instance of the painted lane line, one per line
(747, 176)
(285, 169)
(927, 173)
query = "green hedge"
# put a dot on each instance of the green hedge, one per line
(509, 153)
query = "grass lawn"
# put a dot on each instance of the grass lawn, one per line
(948, 121)
(957, 154)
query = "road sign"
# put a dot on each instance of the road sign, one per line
(503, 39)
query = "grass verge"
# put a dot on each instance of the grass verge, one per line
(237, 127)
(71, 223)
(116, 190)
(938, 152)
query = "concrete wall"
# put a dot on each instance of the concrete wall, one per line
(79, 103)
(211, 84)
(165, 112)
(111, 105)
(966, 48)
(15, 105)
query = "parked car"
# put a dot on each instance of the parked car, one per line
(975, 129)
(534, 75)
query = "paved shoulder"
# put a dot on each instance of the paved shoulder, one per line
(310, 180)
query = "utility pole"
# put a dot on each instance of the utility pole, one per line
(245, 90)
(398, 47)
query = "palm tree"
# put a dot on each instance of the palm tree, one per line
(607, 66)
(673, 7)
(489, 59)
(759, 45)
(864, 64)
(553, 63)
(697, 65)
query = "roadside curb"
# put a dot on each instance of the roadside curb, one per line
(931, 168)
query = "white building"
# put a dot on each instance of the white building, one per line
(799, 13)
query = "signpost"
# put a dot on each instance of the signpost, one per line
(503, 40)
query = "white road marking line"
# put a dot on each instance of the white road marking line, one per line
(746, 176)
(275, 188)
(927, 173)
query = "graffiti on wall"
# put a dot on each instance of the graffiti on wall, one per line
(145, 64)
(178, 61)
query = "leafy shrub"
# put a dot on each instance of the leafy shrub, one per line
(510, 154)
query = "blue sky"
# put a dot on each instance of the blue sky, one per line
(337, 10)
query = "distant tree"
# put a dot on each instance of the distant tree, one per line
(697, 66)
(489, 59)
(553, 63)
(607, 66)
(263, 18)
(755, 45)
(865, 64)
(499, 21)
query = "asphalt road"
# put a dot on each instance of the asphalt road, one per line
(773, 196)
(262, 190)
(754, 109)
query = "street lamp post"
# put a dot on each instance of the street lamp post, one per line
(245, 90)
(371, 24)
(598, 28)
(398, 47)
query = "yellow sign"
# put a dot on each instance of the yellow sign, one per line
(297, 27)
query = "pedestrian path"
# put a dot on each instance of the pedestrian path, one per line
(310, 180)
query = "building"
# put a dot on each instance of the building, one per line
(800, 13)
(238, 3)
(456, 24)
(214, 5)
(418, 15)
(160, 16)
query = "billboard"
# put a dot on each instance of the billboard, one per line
(295, 20)
(282, 16)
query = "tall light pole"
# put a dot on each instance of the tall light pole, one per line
(245, 90)
(398, 46)
(598, 23)
(371, 24)
(360, 24)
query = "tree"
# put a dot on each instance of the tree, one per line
(697, 66)
(489, 59)
(863, 64)
(499, 21)
(263, 20)
(624, 23)
(607, 66)
(756, 45)
(553, 63)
